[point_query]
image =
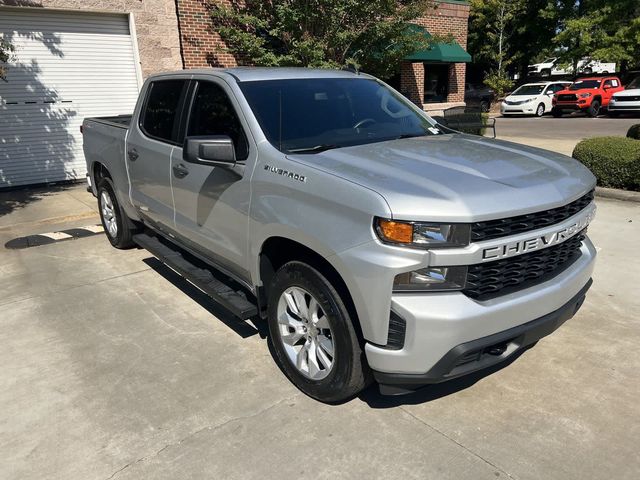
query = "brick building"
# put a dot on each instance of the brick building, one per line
(80, 58)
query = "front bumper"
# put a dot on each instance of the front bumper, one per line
(618, 106)
(436, 323)
(524, 109)
(484, 352)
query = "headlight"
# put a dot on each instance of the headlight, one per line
(431, 279)
(585, 95)
(422, 235)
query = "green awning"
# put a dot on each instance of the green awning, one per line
(439, 52)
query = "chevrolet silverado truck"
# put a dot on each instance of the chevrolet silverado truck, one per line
(589, 95)
(377, 244)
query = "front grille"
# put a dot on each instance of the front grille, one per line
(525, 223)
(567, 98)
(628, 99)
(487, 280)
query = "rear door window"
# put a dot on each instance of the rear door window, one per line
(161, 111)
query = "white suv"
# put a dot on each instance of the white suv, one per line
(532, 99)
(626, 101)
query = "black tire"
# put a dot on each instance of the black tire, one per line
(594, 109)
(545, 73)
(588, 71)
(484, 106)
(349, 373)
(540, 110)
(557, 113)
(125, 227)
(614, 114)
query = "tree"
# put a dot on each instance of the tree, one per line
(606, 30)
(492, 26)
(6, 55)
(367, 34)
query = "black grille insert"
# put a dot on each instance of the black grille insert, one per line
(567, 97)
(488, 280)
(525, 223)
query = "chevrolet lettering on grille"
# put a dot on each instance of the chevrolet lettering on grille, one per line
(541, 241)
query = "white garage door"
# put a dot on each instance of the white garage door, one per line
(68, 66)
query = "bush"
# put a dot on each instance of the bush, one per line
(634, 132)
(615, 161)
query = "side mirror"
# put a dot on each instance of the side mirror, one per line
(209, 150)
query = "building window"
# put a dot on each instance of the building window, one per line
(436, 82)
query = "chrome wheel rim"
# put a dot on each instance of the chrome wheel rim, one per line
(540, 111)
(108, 214)
(303, 328)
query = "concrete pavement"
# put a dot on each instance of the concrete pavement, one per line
(560, 134)
(115, 368)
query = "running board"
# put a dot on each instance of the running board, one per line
(234, 301)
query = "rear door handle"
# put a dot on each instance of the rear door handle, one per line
(132, 154)
(180, 171)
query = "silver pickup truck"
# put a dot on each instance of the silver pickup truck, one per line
(377, 244)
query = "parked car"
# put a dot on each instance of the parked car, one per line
(551, 66)
(589, 95)
(627, 100)
(532, 99)
(479, 96)
(374, 244)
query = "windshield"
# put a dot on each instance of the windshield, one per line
(585, 84)
(634, 84)
(312, 115)
(529, 90)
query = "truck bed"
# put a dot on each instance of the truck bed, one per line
(120, 121)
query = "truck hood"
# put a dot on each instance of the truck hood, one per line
(457, 178)
(593, 91)
(633, 92)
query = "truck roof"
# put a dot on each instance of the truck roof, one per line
(249, 74)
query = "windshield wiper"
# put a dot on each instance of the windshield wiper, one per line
(316, 149)
(410, 135)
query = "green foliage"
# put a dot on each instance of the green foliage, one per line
(6, 55)
(615, 161)
(634, 132)
(606, 30)
(366, 34)
(498, 82)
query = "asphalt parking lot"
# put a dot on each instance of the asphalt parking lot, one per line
(560, 134)
(115, 368)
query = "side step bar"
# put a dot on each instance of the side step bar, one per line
(234, 301)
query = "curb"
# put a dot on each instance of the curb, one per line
(616, 194)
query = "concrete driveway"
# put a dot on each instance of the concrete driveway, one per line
(115, 368)
(560, 134)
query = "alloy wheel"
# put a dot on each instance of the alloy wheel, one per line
(305, 333)
(108, 214)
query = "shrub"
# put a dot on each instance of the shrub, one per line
(634, 132)
(615, 161)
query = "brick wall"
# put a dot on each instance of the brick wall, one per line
(155, 20)
(450, 18)
(201, 46)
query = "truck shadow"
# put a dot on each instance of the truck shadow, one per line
(372, 397)
(244, 329)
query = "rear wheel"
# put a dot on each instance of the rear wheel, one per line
(594, 109)
(117, 226)
(313, 335)
(545, 73)
(540, 110)
(556, 112)
(484, 106)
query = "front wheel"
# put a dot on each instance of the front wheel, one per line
(540, 110)
(313, 335)
(116, 224)
(594, 110)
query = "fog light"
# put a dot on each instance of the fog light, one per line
(431, 279)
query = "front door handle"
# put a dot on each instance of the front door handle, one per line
(180, 171)
(132, 154)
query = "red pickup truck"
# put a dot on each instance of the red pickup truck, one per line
(587, 94)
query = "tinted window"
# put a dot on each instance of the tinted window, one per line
(585, 84)
(529, 90)
(635, 83)
(161, 109)
(213, 114)
(320, 113)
